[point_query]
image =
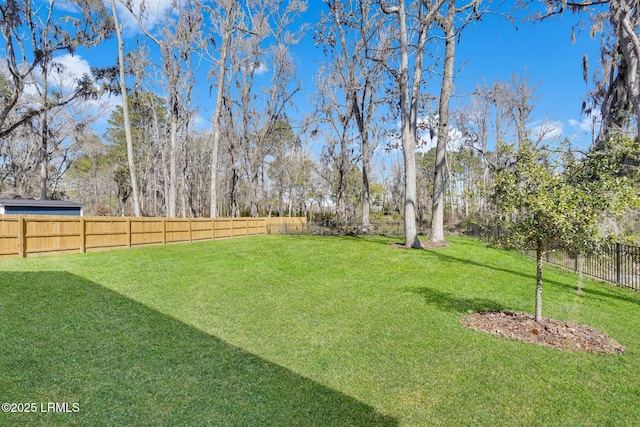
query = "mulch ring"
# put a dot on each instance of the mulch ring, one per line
(552, 333)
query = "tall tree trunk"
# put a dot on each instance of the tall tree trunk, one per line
(408, 111)
(173, 154)
(366, 160)
(125, 113)
(409, 101)
(341, 200)
(437, 212)
(44, 145)
(44, 126)
(217, 114)
(539, 254)
(630, 44)
(360, 110)
(255, 168)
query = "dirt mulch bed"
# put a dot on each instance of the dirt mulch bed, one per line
(549, 332)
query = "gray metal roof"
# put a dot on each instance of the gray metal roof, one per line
(40, 203)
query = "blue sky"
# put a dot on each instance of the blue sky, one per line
(491, 50)
(543, 52)
(496, 49)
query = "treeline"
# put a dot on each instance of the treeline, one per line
(258, 154)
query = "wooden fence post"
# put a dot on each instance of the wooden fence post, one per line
(128, 232)
(164, 231)
(22, 238)
(83, 230)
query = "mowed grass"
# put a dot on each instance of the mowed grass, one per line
(305, 330)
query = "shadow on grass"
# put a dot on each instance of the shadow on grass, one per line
(449, 302)
(375, 239)
(530, 277)
(65, 339)
(567, 287)
(602, 295)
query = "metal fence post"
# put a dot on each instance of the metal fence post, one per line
(618, 263)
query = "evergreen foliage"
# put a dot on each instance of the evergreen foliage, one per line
(546, 202)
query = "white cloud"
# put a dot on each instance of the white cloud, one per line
(546, 130)
(66, 6)
(71, 69)
(428, 136)
(200, 123)
(65, 71)
(585, 123)
(262, 68)
(153, 14)
(258, 68)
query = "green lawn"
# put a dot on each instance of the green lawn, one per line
(304, 330)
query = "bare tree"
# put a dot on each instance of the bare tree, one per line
(270, 23)
(181, 37)
(125, 109)
(25, 55)
(349, 29)
(285, 146)
(336, 128)
(474, 122)
(447, 22)
(225, 21)
(409, 90)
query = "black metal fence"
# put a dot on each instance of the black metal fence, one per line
(616, 263)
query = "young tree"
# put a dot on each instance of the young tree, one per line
(544, 205)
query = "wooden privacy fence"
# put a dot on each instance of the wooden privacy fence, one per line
(30, 235)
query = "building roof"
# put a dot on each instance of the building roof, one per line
(40, 203)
